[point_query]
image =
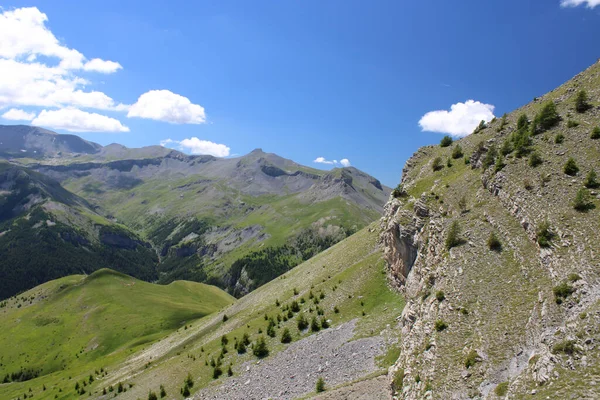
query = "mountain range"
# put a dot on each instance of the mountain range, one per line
(164, 215)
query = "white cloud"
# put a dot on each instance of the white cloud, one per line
(460, 121)
(105, 67)
(16, 114)
(575, 3)
(74, 120)
(194, 145)
(322, 160)
(164, 105)
(27, 81)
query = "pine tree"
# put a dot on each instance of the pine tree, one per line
(581, 102)
(590, 180)
(320, 386)
(260, 348)
(453, 238)
(571, 167)
(286, 336)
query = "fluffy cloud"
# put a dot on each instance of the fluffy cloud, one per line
(164, 105)
(15, 114)
(105, 67)
(575, 3)
(194, 145)
(321, 160)
(40, 71)
(74, 120)
(460, 121)
(24, 38)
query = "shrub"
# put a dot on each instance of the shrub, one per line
(506, 148)
(583, 201)
(544, 235)
(522, 122)
(163, 392)
(567, 347)
(572, 124)
(462, 204)
(573, 277)
(545, 119)
(590, 180)
(225, 317)
(522, 143)
(217, 372)
(499, 163)
(437, 164)
(471, 359)
(314, 325)
(501, 389)
(189, 381)
(185, 391)
(559, 138)
(320, 387)
(324, 323)
(449, 163)
(453, 238)
(503, 123)
(494, 243)
(595, 133)
(535, 159)
(490, 157)
(229, 371)
(440, 296)
(562, 291)
(571, 167)
(399, 191)
(398, 380)
(286, 336)
(482, 125)
(581, 102)
(295, 307)
(457, 152)
(224, 340)
(260, 348)
(440, 325)
(302, 322)
(446, 141)
(152, 395)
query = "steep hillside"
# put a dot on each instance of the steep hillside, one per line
(78, 325)
(493, 240)
(345, 286)
(46, 232)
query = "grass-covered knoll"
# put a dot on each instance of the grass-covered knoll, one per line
(72, 327)
(47, 232)
(139, 347)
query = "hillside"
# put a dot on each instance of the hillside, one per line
(81, 324)
(355, 348)
(46, 232)
(212, 219)
(496, 252)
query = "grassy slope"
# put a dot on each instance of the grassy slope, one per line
(354, 267)
(503, 292)
(76, 325)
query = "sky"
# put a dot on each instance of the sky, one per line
(325, 83)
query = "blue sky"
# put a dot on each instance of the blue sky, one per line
(342, 80)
